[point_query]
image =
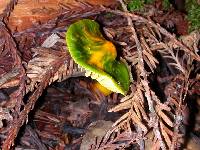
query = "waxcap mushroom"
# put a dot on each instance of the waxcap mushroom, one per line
(97, 56)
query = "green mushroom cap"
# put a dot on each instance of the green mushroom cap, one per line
(97, 56)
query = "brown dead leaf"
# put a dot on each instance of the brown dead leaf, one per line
(95, 133)
(29, 12)
(3, 5)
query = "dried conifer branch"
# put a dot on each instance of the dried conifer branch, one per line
(61, 66)
(134, 101)
(121, 141)
(12, 71)
(148, 55)
(24, 114)
(44, 60)
(41, 74)
(135, 17)
(12, 67)
(164, 112)
(43, 83)
(179, 115)
(143, 78)
(168, 53)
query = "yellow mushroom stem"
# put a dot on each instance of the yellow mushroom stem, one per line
(102, 89)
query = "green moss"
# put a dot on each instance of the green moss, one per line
(166, 4)
(135, 5)
(193, 9)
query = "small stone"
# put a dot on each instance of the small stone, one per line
(96, 130)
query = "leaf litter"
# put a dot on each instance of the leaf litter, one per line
(43, 89)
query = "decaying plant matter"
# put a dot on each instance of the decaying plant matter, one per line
(32, 59)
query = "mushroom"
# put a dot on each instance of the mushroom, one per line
(97, 56)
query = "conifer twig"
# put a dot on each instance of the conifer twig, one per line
(156, 26)
(143, 74)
